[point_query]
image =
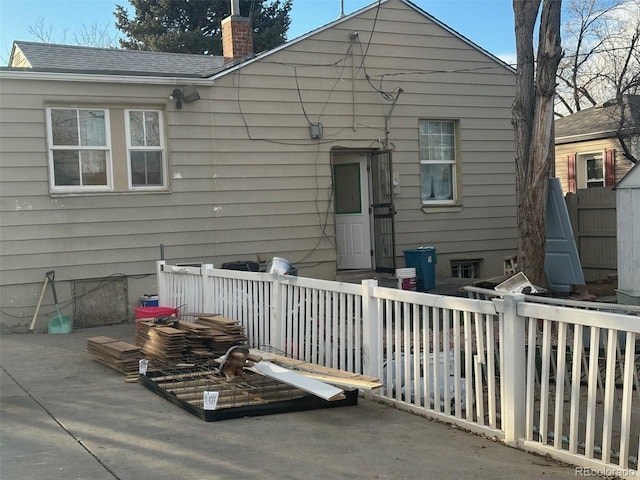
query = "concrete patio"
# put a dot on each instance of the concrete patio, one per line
(65, 416)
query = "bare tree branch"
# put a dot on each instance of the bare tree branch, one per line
(93, 35)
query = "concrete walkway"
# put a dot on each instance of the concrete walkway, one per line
(65, 416)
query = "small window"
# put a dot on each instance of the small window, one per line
(465, 268)
(590, 170)
(145, 149)
(346, 178)
(79, 149)
(437, 142)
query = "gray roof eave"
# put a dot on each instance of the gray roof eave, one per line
(52, 75)
(583, 137)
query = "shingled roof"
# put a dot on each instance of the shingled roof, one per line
(112, 61)
(601, 121)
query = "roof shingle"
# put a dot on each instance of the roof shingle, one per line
(79, 59)
(600, 121)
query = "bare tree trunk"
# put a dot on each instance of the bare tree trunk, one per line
(533, 121)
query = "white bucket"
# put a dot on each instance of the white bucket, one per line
(278, 265)
(406, 278)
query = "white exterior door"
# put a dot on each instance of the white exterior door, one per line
(351, 195)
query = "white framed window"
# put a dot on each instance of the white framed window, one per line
(106, 150)
(591, 170)
(146, 151)
(79, 142)
(437, 143)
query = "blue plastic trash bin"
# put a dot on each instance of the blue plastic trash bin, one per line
(423, 259)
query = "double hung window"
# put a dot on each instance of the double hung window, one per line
(95, 150)
(145, 148)
(437, 143)
(591, 170)
(79, 149)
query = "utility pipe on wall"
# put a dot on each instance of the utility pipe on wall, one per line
(235, 7)
(354, 37)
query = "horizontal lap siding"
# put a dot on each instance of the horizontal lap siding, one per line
(622, 165)
(246, 179)
(458, 83)
(223, 205)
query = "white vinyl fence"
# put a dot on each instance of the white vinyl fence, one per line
(557, 380)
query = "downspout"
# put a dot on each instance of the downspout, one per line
(235, 7)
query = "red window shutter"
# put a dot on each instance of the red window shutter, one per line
(571, 172)
(609, 167)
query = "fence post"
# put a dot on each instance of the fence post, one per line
(161, 283)
(514, 369)
(276, 320)
(208, 296)
(370, 327)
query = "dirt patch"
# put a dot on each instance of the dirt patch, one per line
(603, 288)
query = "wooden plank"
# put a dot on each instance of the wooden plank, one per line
(343, 382)
(101, 340)
(326, 374)
(315, 387)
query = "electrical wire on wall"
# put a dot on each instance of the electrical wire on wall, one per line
(327, 213)
(375, 82)
(339, 64)
(105, 281)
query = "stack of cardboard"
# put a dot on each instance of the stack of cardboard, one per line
(120, 356)
(159, 341)
(198, 339)
(225, 332)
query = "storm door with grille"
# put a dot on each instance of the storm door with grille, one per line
(383, 211)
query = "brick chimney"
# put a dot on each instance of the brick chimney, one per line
(237, 35)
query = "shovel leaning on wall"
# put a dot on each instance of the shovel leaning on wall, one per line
(60, 323)
(35, 315)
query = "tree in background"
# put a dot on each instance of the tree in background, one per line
(184, 26)
(533, 122)
(601, 41)
(602, 62)
(93, 35)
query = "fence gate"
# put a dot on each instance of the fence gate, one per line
(593, 218)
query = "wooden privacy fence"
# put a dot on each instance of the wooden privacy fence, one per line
(592, 212)
(547, 378)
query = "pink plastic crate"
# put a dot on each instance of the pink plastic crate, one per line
(153, 312)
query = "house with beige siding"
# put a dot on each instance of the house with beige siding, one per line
(382, 131)
(588, 150)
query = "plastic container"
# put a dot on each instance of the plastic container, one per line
(153, 312)
(519, 283)
(281, 266)
(241, 265)
(423, 259)
(406, 278)
(149, 301)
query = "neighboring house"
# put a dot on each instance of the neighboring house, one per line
(588, 152)
(382, 131)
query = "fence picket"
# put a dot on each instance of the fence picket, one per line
(418, 344)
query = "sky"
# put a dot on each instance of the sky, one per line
(488, 23)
